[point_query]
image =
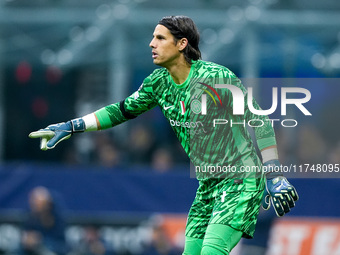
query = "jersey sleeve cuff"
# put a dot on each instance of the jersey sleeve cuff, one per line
(103, 118)
(266, 142)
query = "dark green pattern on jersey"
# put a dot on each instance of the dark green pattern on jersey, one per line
(205, 145)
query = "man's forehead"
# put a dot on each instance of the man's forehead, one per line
(161, 30)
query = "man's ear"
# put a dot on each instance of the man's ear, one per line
(182, 44)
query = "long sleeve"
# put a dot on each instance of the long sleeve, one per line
(139, 102)
(264, 131)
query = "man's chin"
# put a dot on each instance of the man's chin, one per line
(159, 63)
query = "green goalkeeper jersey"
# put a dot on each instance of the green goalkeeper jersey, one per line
(201, 115)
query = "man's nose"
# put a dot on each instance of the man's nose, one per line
(152, 44)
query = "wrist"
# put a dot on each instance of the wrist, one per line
(272, 169)
(272, 175)
(90, 122)
(78, 125)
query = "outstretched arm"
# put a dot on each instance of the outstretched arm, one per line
(106, 117)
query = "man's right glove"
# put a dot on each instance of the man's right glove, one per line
(55, 133)
(278, 192)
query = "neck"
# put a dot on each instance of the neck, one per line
(180, 72)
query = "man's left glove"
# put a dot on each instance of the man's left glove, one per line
(278, 192)
(55, 133)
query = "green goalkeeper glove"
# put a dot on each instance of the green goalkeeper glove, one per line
(55, 133)
(278, 192)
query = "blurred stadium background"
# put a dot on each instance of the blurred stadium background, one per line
(130, 186)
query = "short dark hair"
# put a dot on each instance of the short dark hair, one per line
(184, 27)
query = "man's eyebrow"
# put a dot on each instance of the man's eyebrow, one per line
(159, 36)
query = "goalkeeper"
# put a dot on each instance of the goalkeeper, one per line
(226, 205)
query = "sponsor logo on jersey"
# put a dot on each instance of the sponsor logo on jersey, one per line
(168, 107)
(186, 124)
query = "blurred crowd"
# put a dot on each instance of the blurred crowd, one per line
(44, 228)
(44, 232)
